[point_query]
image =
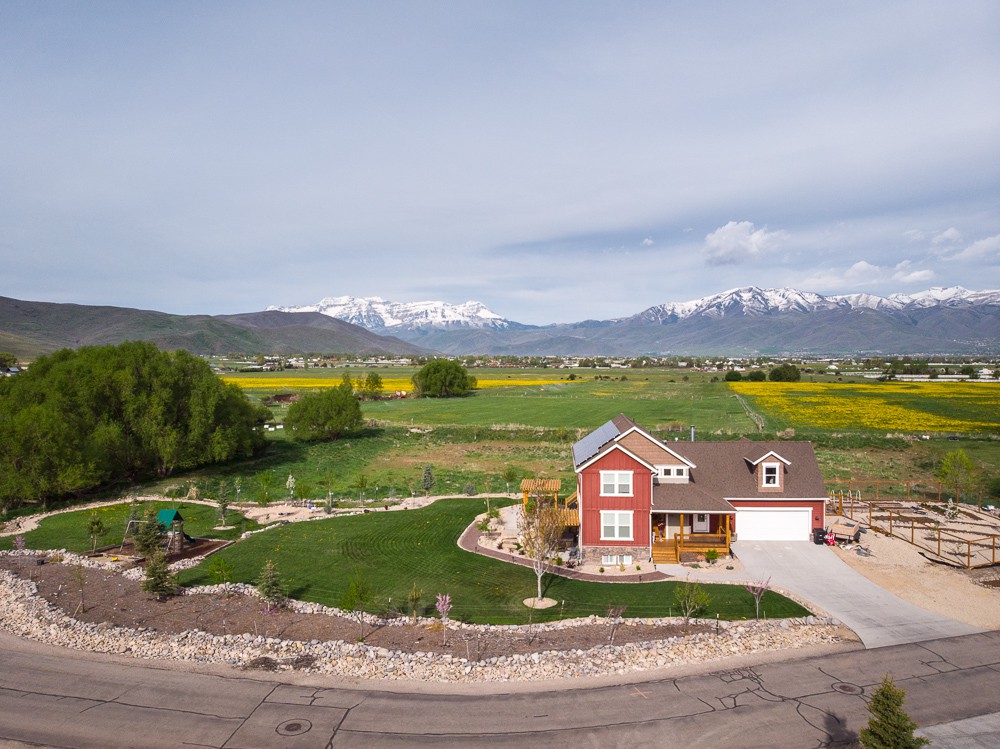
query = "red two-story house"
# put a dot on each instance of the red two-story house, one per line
(642, 499)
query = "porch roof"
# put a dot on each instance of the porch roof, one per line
(687, 498)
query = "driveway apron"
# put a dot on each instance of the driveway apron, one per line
(815, 574)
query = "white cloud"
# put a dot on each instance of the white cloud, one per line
(903, 274)
(981, 248)
(863, 270)
(915, 235)
(738, 241)
(948, 236)
(648, 242)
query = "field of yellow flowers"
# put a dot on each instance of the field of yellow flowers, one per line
(912, 407)
(280, 382)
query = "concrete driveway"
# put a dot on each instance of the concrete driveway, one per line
(815, 574)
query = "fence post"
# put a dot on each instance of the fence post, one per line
(913, 525)
(890, 523)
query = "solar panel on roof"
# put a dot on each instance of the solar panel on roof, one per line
(589, 445)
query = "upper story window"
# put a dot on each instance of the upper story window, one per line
(672, 474)
(770, 477)
(616, 483)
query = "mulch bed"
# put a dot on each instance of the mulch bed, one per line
(117, 600)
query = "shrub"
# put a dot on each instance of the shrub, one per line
(158, 579)
(442, 378)
(889, 727)
(270, 587)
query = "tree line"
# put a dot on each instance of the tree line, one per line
(79, 420)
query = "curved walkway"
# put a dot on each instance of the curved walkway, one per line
(469, 540)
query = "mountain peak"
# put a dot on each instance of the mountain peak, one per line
(375, 313)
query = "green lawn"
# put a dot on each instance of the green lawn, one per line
(68, 530)
(397, 549)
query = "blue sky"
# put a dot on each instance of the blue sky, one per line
(557, 161)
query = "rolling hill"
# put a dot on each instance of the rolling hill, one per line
(28, 329)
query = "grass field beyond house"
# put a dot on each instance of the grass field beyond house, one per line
(395, 550)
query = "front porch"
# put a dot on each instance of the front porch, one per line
(674, 535)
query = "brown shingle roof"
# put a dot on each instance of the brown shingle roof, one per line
(724, 469)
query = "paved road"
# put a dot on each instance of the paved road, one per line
(60, 698)
(816, 575)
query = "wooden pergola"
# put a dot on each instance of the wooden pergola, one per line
(532, 488)
(541, 488)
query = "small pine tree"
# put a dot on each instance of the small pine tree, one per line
(889, 727)
(359, 594)
(270, 587)
(158, 580)
(95, 528)
(413, 598)
(149, 534)
(428, 480)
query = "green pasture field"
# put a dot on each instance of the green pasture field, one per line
(68, 530)
(655, 398)
(470, 440)
(396, 550)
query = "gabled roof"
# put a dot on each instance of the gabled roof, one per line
(590, 445)
(621, 448)
(727, 469)
(166, 517)
(765, 456)
(614, 431)
(719, 470)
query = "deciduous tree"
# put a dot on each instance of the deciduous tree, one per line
(443, 378)
(326, 415)
(540, 528)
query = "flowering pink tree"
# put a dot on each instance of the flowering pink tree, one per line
(757, 589)
(443, 607)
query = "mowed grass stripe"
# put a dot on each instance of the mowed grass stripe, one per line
(397, 549)
(68, 530)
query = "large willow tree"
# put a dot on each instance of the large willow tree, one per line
(76, 420)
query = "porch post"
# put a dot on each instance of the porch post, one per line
(728, 532)
(681, 533)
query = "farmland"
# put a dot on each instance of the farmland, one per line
(910, 407)
(528, 418)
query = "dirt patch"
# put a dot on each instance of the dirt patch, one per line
(119, 601)
(899, 567)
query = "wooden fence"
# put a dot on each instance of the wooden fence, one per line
(925, 525)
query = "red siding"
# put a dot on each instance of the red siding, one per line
(591, 501)
(817, 505)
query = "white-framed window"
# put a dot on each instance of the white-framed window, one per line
(616, 525)
(770, 476)
(616, 483)
(609, 559)
(674, 474)
(626, 559)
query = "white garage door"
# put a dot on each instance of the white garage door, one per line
(774, 524)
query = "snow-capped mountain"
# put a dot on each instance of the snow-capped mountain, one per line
(377, 314)
(752, 301)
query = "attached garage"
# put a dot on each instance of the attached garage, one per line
(773, 523)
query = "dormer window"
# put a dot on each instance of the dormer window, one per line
(770, 476)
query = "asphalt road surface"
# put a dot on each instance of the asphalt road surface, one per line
(66, 699)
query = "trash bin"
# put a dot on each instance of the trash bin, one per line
(819, 536)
